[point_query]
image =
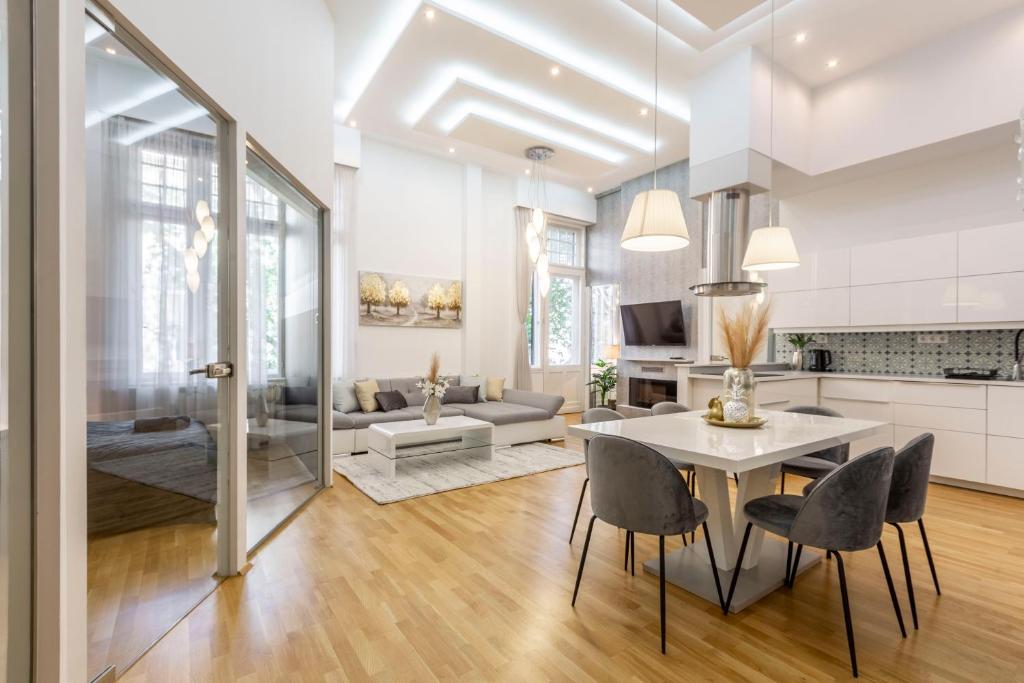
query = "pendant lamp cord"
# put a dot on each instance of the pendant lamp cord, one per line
(771, 121)
(657, 23)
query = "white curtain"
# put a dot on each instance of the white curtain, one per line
(343, 351)
(523, 284)
(146, 329)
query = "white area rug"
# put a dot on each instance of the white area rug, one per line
(424, 476)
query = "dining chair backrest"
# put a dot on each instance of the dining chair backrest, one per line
(909, 488)
(591, 416)
(837, 454)
(634, 487)
(668, 408)
(846, 509)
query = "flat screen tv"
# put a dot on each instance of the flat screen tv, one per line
(654, 324)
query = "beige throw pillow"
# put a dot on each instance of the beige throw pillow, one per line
(495, 388)
(364, 394)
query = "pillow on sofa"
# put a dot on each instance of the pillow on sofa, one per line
(390, 400)
(300, 395)
(364, 393)
(475, 381)
(345, 400)
(461, 395)
(495, 388)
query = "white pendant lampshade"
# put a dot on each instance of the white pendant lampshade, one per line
(202, 210)
(771, 248)
(208, 227)
(538, 221)
(543, 275)
(655, 223)
(199, 243)
(191, 261)
(192, 279)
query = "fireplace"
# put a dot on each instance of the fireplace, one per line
(644, 393)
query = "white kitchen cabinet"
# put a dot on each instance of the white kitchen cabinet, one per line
(784, 394)
(832, 269)
(1006, 411)
(917, 258)
(904, 303)
(991, 298)
(994, 249)
(813, 308)
(940, 417)
(957, 455)
(940, 394)
(793, 279)
(1005, 462)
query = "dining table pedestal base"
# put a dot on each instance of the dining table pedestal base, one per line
(690, 569)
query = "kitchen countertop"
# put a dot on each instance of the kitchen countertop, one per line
(806, 374)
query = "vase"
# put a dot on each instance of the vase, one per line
(797, 362)
(431, 409)
(262, 412)
(738, 395)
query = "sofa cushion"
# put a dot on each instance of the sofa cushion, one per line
(502, 413)
(345, 400)
(390, 400)
(407, 386)
(416, 412)
(550, 403)
(462, 395)
(300, 395)
(309, 413)
(365, 391)
(362, 420)
(495, 386)
(476, 381)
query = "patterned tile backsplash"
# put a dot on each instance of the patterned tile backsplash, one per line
(899, 353)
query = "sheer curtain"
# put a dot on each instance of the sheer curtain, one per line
(343, 351)
(146, 329)
(524, 280)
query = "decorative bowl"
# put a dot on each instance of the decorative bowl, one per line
(749, 424)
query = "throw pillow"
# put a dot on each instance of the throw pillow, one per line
(364, 393)
(475, 381)
(390, 400)
(495, 388)
(461, 395)
(345, 400)
(300, 395)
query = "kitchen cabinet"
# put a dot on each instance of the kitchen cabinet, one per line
(861, 399)
(774, 395)
(957, 455)
(994, 249)
(917, 258)
(832, 269)
(801, 278)
(904, 303)
(991, 298)
(1006, 411)
(940, 394)
(813, 308)
(1005, 462)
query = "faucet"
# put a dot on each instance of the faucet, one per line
(1016, 357)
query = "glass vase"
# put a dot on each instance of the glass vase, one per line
(431, 409)
(738, 403)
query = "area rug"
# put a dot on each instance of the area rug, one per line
(426, 476)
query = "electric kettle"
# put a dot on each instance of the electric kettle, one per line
(820, 360)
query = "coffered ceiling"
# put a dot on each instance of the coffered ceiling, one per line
(481, 80)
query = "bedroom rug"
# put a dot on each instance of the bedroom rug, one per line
(426, 476)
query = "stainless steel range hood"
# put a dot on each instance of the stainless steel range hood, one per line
(726, 228)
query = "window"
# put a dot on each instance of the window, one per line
(163, 298)
(533, 326)
(604, 319)
(163, 178)
(563, 320)
(267, 251)
(563, 246)
(261, 202)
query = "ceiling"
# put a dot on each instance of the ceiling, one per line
(481, 80)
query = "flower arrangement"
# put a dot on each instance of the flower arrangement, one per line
(433, 384)
(744, 333)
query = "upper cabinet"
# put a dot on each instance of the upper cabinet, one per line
(833, 268)
(822, 270)
(995, 249)
(904, 303)
(917, 258)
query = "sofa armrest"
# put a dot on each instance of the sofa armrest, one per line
(551, 403)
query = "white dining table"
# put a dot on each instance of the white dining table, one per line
(756, 456)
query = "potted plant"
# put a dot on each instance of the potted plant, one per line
(799, 342)
(604, 375)
(433, 387)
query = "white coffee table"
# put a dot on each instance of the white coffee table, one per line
(393, 442)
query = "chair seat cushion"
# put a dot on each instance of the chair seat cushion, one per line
(773, 513)
(808, 466)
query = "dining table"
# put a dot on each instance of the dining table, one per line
(755, 457)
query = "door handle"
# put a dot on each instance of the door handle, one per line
(218, 370)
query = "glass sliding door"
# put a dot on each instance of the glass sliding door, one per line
(283, 234)
(153, 259)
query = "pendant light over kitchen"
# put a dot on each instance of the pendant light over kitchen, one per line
(655, 221)
(771, 247)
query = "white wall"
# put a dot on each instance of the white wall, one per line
(269, 64)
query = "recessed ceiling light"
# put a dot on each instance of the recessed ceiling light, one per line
(590, 189)
(353, 123)
(832, 63)
(451, 150)
(643, 111)
(800, 37)
(555, 70)
(430, 14)
(111, 51)
(527, 171)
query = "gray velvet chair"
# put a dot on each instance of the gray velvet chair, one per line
(668, 408)
(590, 417)
(636, 488)
(814, 465)
(844, 511)
(671, 408)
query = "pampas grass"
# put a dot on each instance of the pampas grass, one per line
(435, 368)
(745, 333)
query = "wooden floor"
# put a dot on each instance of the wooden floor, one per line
(475, 585)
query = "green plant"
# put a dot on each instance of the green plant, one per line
(800, 340)
(605, 377)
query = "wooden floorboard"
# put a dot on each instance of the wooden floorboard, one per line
(475, 585)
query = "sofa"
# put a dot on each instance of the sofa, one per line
(520, 417)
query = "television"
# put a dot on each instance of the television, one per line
(654, 324)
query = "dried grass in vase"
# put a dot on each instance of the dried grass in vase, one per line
(745, 333)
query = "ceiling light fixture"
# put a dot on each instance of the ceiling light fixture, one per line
(179, 119)
(590, 190)
(771, 247)
(451, 150)
(537, 230)
(643, 111)
(555, 71)
(353, 123)
(111, 51)
(527, 171)
(430, 14)
(832, 63)
(800, 38)
(655, 221)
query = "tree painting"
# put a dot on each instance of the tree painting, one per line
(372, 291)
(398, 296)
(454, 302)
(437, 299)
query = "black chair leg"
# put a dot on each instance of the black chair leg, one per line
(906, 574)
(892, 589)
(579, 506)
(714, 565)
(791, 579)
(661, 582)
(583, 559)
(632, 553)
(928, 552)
(846, 612)
(685, 543)
(782, 484)
(625, 561)
(789, 560)
(736, 570)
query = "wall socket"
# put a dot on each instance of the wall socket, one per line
(933, 338)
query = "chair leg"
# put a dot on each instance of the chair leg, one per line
(789, 560)
(846, 612)
(714, 565)
(736, 570)
(906, 573)
(892, 589)
(583, 559)
(928, 552)
(693, 494)
(661, 582)
(625, 561)
(632, 553)
(685, 543)
(782, 484)
(579, 506)
(791, 579)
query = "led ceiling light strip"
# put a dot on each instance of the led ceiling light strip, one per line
(151, 93)
(160, 126)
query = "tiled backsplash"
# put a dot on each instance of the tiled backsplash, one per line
(900, 353)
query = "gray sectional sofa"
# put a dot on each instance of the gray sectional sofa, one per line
(520, 417)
